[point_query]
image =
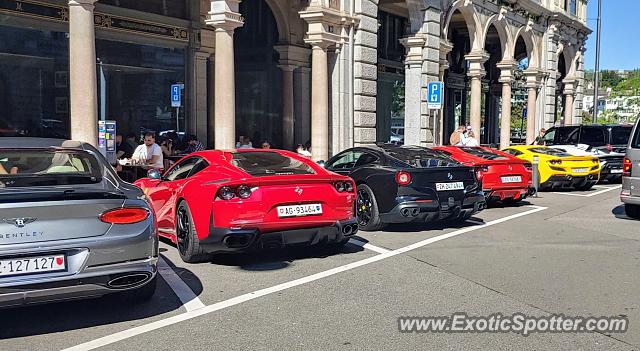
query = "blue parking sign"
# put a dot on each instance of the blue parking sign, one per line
(176, 96)
(434, 95)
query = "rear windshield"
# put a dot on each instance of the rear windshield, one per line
(486, 154)
(46, 167)
(549, 151)
(620, 135)
(260, 164)
(593, 136)
(420, 157)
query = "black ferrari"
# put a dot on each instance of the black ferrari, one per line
(401, 184)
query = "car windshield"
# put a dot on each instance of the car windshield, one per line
(48, 167)
(421, 157)
(483, 153)
(549, 151)
(261, 163)
(620, 135)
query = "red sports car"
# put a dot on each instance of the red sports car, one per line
(222, 201)
(504, 177)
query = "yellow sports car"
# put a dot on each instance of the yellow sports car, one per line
(558, 169)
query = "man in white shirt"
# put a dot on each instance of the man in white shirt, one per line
(149, 153)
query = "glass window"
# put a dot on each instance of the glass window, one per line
(366, 159)
(549, 136)
(636, 138)
(35, 167)
(345, 161)
(170, 8)
(261, 163)
(567, 135)
(513, 152)
(549, 151)
(134, 86)
(421, 157)
(182, 169)
(34, 82)
(483, 153)
(593, 136)
(620, 135)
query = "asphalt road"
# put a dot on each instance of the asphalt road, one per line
(570, 253)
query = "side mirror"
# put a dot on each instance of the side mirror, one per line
(322, 163)
(154, 174)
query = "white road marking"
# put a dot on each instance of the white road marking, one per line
(604, 190)
(367, 246)
(188, 298)
(126, 334)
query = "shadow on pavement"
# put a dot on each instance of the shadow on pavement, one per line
(441, 225)
(65, 316)
(620, 213)
(275, 259)
(502, 204)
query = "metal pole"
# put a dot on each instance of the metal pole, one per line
(535, 175)
(177, 119)
(596, 86)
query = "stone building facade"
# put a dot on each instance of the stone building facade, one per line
(335, 73)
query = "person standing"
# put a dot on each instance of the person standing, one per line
(471, 140)
(149, 154)
(457, 136)
(540, 138)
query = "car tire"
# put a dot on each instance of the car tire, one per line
(141, 294)
(632, 211)
(186, 239)
(368, 217)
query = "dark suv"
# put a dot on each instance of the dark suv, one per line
(606, 141)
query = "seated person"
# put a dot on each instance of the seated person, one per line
(149, 154)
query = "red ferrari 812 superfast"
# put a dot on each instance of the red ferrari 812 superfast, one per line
(224, 201)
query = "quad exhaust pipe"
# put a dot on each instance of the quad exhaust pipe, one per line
(350, 229)
(410, 212)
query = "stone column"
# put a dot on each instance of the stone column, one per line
(288, 123)
(225, 18)
(506, 72)
(413, 87)
(445, 48)
(532, 97)
(291, 58)
(82, 72)
(319, 102)
(476, 72)
(569, 91)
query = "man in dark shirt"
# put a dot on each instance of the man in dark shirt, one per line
(193, 145)
(123, 149)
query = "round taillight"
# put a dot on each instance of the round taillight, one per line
(226, 193)
(403, 178)
(244, 192)
(340, 187)
(348, 187)
(128, 215)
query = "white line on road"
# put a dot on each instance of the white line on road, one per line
(126, 334)
(367, 246)
(605, 189)
(188, 298)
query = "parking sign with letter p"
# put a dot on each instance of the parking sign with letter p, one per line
(434, 99)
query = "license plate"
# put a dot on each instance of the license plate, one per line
(512, 179)
(33, 265)
(581, 170)
(449, 186)
(614, 171)
(299, 210)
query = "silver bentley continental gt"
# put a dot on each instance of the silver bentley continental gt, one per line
(69, 227)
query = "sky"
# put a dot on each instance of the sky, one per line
(620, 38)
